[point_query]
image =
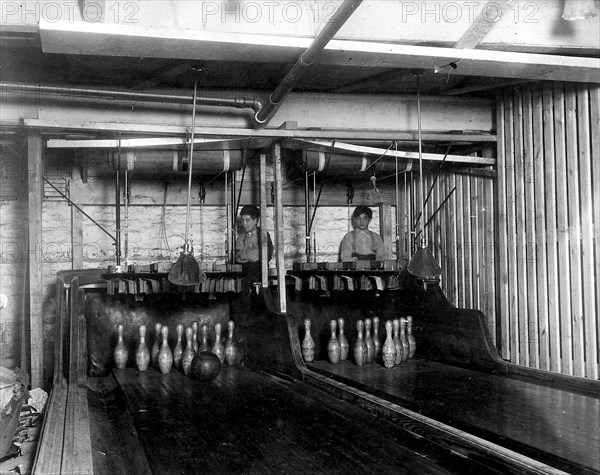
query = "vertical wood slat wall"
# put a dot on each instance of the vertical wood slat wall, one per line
(461, 236)
(548, 216)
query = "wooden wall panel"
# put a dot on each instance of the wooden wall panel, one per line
(547, 199)
(502, 235)
(521, 339)
(530, 278)
(592, 326)
(562, 222)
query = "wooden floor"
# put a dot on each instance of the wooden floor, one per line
(252, 423)
(518, 414)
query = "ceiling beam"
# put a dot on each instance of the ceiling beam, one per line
(327, 147)
(479, 29)
(125, 40)
(227, 132)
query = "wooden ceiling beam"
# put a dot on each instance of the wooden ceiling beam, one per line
(479, 29)
(229, 132)
(123, 40)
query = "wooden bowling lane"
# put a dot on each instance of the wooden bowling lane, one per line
(556, 426)
(248, 422)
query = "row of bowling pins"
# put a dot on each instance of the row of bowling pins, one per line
(399, 345)
(164, 359)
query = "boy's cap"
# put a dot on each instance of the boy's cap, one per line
(362, 209)
(250, 210)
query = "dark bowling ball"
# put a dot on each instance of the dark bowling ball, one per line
(206, 366)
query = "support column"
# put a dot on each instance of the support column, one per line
(35, 172)
(385, 227)
(76, 238)
(279, 244)
(263, 221)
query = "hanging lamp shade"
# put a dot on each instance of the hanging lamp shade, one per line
(423, 264)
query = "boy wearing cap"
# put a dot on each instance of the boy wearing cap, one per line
(248, 244)
(362, 243)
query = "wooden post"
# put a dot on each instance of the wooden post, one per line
(263, 220)
(35, 188)
(385, 227)
(279, 226)
(76, 238)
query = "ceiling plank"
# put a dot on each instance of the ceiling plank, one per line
(163, 74)
(484, 87)
(361, 83)
(123, 40)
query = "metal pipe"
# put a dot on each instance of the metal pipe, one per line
(190, 169)
(126, 200)
(307, 215)
(305, 60)
(127, 96)
(118, 207)
(227, 222)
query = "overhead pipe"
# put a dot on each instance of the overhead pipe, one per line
(123, 96)
(305, 60)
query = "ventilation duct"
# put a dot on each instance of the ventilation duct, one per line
(169, 162)
(339, 164)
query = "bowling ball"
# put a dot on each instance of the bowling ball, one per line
(206, 366)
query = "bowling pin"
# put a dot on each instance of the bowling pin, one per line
(120, 354)
(397, 342)
(388, 351)
(195, 326)
(360, 349)
(308, 344)
(231, 349)
(403, 339)
(204, 346)
(345, 347)
(369, 341)
(178, 350)
(142, 354)
(156, 345)
(218, 347)
(188, 353)
(165, 356)
(376, 340)
(412, 341)
(333, 347)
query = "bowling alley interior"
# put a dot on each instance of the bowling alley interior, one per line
(300, 237)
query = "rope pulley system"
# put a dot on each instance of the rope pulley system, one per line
(423, 263)
(186, 271)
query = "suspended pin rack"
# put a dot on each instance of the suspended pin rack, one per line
(347, 276)
(146, 279)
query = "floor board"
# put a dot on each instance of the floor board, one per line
(551, 420)
(246, 422)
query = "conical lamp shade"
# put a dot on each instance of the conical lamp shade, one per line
(423, 264)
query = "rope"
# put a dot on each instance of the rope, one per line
(190, 165)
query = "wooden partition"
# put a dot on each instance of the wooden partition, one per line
(459, 224)
(548, 226)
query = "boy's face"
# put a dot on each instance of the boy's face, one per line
(362, 222)
(248, 223)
